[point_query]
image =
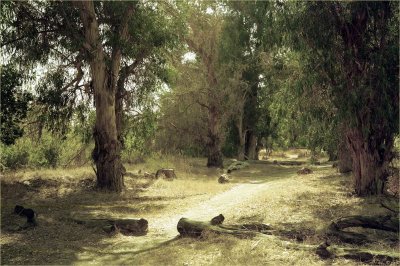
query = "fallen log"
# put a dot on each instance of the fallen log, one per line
(385, 223)
(133, 227)
(289, 163)
(304, 171)
(237, 165)
(192, 228)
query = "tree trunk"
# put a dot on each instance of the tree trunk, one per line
(252, 153)
(214, 158)
(106, 153)
(242, 139)
(345, 163)
(119, 111)
(369, 167)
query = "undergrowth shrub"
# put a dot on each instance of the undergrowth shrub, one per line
(14, 156)
(44, 152)
(49, 151)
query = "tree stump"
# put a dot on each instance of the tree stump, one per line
(132, 227)
(304, 171)
(168, 174)
(224, 178)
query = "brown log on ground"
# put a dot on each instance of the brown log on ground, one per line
(385, 223)
(191, 228)
(290, 163)
(304, 171)
(134, 227)
(166, 173)
(224, 178)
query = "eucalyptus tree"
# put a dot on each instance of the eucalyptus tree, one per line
(251, 37)
(352, 49)
(104, 43)
(14, 104)
(204, 36)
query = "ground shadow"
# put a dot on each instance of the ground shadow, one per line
(57, 239)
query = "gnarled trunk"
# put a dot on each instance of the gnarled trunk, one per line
(369, 165)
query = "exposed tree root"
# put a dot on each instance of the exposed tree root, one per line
(192, 228)
(386, 223)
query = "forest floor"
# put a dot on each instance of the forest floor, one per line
(302, 205)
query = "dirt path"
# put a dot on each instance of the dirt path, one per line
(220, 203)
(163, 229)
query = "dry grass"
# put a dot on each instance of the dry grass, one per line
(298, 207)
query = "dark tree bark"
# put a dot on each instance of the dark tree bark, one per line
(345, 163)
(370, 136)
(370, 161)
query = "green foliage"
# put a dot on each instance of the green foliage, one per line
(14, 104)
(49, 151)
(351, 50)
(14, 156)
(140, 133)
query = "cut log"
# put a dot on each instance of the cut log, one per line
(133, 227)
(304, 171)
(386, 223)
(224, 178)
(191, 228)
(217, 220)
(289, 163)
(168, 174)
